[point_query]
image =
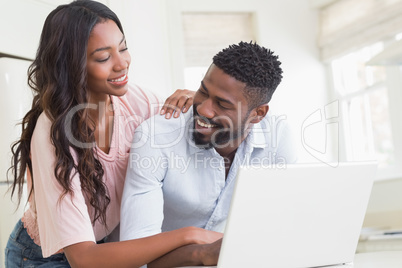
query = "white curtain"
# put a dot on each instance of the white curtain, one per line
(349, 24)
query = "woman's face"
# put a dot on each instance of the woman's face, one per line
(108, 61)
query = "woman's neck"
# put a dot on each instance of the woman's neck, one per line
(99, 107)
(102, 114)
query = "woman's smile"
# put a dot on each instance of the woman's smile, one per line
(119, 81)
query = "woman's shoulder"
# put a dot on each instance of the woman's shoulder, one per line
(43, 124)
(140, 102)
(136, 93)
(41, 143)
(41, 133)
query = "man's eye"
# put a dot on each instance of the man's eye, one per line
(223, 106)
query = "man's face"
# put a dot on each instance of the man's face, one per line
(221, 113)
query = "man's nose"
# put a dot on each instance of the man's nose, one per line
(205, 109)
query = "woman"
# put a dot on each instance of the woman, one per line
(75, 146)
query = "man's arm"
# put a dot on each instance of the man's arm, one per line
(142, 200)
(190, 255)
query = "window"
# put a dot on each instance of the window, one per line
(206, 33)
(364, 94)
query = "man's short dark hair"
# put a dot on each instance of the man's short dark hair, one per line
(253, 65)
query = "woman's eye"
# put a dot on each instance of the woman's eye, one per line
(124, 49)
(103, 60)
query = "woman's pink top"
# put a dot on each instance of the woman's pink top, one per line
(55, 223)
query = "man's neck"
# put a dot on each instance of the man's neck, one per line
(229, 152)
(231, 146)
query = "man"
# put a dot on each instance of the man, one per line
(182, 172)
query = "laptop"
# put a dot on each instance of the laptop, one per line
(302, 215)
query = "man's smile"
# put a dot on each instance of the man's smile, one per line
(205, 125)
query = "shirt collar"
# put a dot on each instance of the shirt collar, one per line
(257, 138)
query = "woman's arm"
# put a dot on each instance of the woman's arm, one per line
(190, 255)
(137, 252)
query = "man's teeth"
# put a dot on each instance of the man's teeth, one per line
(199, 122)
(119, 79)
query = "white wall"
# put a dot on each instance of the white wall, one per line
(153, 30)
(145, 26)
(21, 22)
(15, 102)
(154, 33)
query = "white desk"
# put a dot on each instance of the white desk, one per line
(383, 259)
(386, 259)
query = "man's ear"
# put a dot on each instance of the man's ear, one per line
(259, 113)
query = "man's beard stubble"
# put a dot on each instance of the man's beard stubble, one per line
(221, 137)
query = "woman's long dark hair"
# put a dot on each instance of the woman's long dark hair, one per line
(58, 77)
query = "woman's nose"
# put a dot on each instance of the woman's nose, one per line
(122, 62)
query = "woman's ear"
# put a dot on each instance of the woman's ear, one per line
(259, 113)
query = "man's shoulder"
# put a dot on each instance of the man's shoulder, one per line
(159, 125)
(273, 123)
(271, 130)
(163, 133)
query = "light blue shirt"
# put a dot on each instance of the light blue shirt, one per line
(171, 183)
